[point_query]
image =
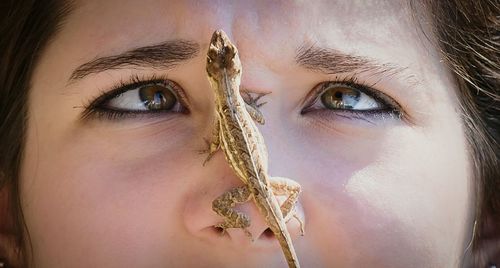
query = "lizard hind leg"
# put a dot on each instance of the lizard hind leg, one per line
(287, 187)
(224, 206)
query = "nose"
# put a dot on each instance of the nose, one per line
(245, 226)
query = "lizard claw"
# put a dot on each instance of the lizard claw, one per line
(252, 106)
(248, 234)
(252, 101)
(209, 150)
(302, 230)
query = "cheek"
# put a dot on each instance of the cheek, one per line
(87, 199)
(394, 199)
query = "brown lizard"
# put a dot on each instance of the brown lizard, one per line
(243, 145)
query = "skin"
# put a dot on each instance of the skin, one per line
(382, 192)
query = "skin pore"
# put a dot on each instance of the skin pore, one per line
(380, 189)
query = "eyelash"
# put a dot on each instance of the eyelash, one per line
(94, 109)
(393, 109)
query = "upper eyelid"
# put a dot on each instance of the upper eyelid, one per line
(136, 82)
(321, 87)
(94, 105)
(375, 93)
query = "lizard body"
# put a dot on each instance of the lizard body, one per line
(237, 135)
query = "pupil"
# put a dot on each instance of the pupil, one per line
(157, 97)
(340, 98)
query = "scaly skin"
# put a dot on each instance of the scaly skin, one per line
(243, 145)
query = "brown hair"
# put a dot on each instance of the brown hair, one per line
(467, 35)
(25, 29)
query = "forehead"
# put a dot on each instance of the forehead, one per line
(259, 28)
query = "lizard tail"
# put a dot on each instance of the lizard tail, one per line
(280, 230)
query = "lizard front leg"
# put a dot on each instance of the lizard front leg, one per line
(214, 144)
(287, 187)
(224, 206)
(252, 106)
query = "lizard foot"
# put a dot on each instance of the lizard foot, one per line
(302, 230)
(224, 206)
(252, 106)
(211, 149)
(253, 101)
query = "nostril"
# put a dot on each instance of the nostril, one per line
(218, 230)
(214, 231)
(268, 234)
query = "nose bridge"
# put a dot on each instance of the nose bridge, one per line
(264, 44)
(277, 136)
(258, 77)
(233, 208)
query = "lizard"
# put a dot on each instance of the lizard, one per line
(237, 135)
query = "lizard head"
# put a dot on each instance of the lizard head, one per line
(222, 54)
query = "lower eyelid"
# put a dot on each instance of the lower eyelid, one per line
(118, 115)
(370, 116)
(367, 112)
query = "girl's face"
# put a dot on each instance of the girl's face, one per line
(360, 111)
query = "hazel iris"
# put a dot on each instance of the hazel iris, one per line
(157, 97)
(340, 97)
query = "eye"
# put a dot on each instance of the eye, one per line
(348, 97)
(338, 96)
(149, 97)
(139, 97)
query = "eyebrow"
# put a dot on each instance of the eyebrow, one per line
(164, 55)
(331, 61)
